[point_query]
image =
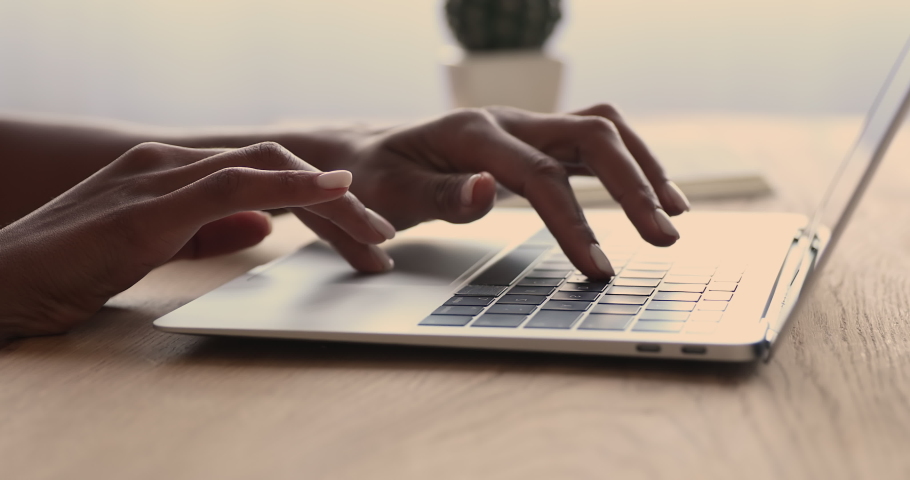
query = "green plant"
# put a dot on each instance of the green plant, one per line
(481, 25)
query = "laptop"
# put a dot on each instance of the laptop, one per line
(724, 292)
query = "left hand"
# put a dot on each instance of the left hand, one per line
(447, 168)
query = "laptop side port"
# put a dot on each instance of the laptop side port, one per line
(648, 347)
(695, 349)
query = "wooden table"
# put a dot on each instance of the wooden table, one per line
(117, 399)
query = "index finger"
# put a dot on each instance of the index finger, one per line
(537, 177)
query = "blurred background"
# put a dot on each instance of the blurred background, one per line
(197, 62)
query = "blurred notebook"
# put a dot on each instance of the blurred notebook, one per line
(702, 171)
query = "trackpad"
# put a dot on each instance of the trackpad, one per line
(418, 262)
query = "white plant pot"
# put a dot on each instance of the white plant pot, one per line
(519, 78)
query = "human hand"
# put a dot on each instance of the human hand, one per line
(447, 168)
(157, 202)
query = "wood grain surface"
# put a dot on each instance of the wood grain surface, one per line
(117, 399)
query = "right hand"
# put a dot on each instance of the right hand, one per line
(155, 203)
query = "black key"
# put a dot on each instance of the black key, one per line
(637, 282)
(644, 291)
(628, 272)
(655, 326)
(522, 299)
(548, 274)
(566, 305)
(682, 287)
(665, 315)
(623, 299)
(551, 319)
(540, 282)
(458, 310)
(446, 320)
(586, 296)
(556, 265)
(677, 306)
(519, 290)
(508, 268)
(507, 309)
(678, 296)
(606, 322)
(701, 279)
(496, 320)
(584, 287)
(482, 290)
(616, 309)
(472, 301)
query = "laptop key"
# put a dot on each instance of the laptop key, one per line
(497, 320)
(446, 320)
(728, 277)
(472, 301)
(566, 305)
(522, 299)
(482, 290)
(606, 322)
(723, 296)
(702, 271)
(586, 296)
(556, 265)
(623, 299)
(659, 266)
(615, 309)
(702, 279)
(678, 296)
(509, 267)
(548, 274)
(723, 286)
(678, 306)
(706, 316)
(658, 326)
(553, 319)
(540, 282)
(637, 282)
(458, 310)
(713, 306)
(682, 287)
(520, 290)
(596, 287)
(619, 290)
(508, 309)
(665, 316)
(642, 273)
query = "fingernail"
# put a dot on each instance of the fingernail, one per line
(383, 258)
(677, 197)
(381, 225)
(334, 179)
(600, 259)
(467, 190)
(663, 221)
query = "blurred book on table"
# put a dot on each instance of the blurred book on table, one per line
(702, 171)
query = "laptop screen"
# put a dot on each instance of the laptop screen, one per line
(855, 172)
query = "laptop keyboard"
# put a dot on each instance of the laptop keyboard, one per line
(536, 286)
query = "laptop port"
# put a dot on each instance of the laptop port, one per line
(648, 347)
(695, 349)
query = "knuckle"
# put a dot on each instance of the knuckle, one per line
(543, 166)
(468, 117)
(599, 126)
(146, 155)
(606, 110)
(269, 155)
(224, 183)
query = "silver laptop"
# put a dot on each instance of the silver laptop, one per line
(724, 291)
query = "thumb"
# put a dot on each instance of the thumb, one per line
(460, 198)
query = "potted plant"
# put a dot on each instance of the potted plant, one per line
(502, 59)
